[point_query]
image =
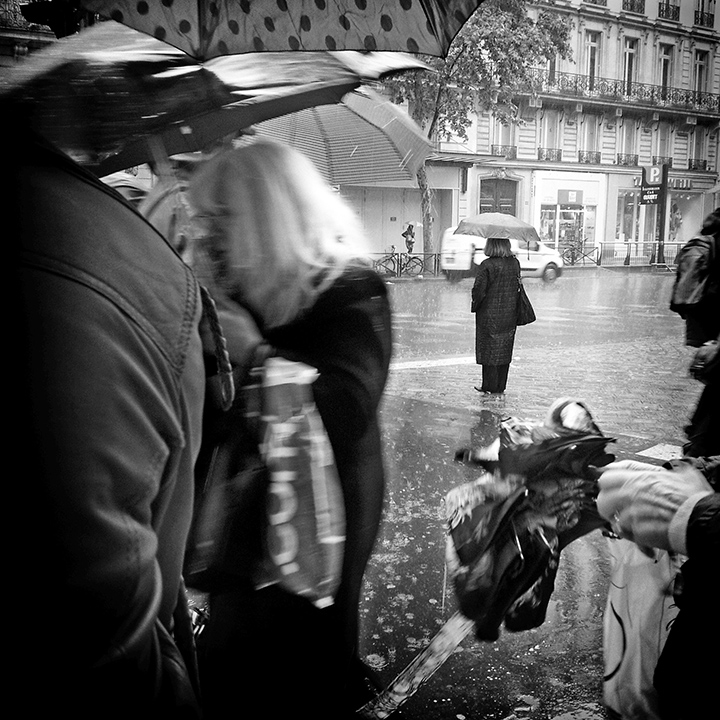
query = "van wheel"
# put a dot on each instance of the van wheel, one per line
(454, 276)
(550, 273)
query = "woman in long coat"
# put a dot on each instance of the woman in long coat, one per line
(494, 302)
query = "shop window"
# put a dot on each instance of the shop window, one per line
(627, 226)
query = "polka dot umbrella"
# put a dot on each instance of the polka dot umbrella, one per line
(113, 97)
(224, 27)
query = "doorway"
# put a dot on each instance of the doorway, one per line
(498, 195)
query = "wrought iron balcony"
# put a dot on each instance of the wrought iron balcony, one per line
(620, 91)
(553, 154)
(635, 6)
(662, 160)
(697, 164)
(629, 159)
(509, 152)
(704, 19)
(668, 11)
(589, 157)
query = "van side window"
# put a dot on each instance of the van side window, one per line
(533, 245)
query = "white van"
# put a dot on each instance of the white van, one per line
(460, 254)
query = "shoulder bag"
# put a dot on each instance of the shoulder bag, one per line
(525, 311)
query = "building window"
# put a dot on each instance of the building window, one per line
(666, 69)
(630, 64)
(635, 6)
(552, 69)
(698, 161)
(705, 13)
(700, 71)
(663, 140)
(592, 58)
(591, 128)
(668, 11)
(549, 129)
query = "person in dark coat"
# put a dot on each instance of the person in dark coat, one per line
(281, 259)
(494, 302)
(108, 398)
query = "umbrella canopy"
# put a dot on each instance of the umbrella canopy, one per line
(497, 225)
(362, 139)
(100, 94)
(208, 29)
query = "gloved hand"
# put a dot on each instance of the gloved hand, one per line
(649, 504)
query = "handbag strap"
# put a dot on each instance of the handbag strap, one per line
(222, 357)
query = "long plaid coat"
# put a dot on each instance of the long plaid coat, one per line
(494, 302)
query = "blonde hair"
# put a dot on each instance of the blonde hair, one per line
(276, 235)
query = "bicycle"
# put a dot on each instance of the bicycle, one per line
(575, 253)
(399, 264)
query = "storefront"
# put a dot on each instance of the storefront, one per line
(567, 208)
(637, 227)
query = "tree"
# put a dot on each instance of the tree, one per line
(488, 63)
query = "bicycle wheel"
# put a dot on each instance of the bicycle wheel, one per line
(413, 267)
(385, 266)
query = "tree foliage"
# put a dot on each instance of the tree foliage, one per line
(488, 63)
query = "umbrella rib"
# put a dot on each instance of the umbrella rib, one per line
(326, 144)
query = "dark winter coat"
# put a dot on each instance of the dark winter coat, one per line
(686, 674)
(109, 395)
(696, 290)
(268, 636)
(494, 302)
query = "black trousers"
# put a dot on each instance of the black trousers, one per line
(494, 378)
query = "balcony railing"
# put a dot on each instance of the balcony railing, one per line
(509, 152)
(697, 164)
(662, 160)
(635, 6)
(668, 11)
(553, 154)
(596, 2)
(576, 85)
(590, 157)
(704, 19)
(629, 159)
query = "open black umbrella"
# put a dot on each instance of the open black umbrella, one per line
(99, 95)
(208, 29)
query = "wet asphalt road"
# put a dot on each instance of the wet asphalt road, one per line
(605, 336)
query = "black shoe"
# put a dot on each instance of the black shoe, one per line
(481, 391)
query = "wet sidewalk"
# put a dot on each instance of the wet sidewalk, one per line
(603, 336)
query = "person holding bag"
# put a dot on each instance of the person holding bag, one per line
(280, 257)
(495, 300)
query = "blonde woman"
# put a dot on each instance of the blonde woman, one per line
(280, 253)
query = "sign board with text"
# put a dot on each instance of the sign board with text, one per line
(654, 185)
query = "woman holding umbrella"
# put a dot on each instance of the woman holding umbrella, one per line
(280, 257)
(494, 302)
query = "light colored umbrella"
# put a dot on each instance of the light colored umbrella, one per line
(363, 139)
(208, 29)
(99, 95)
(497, 225)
